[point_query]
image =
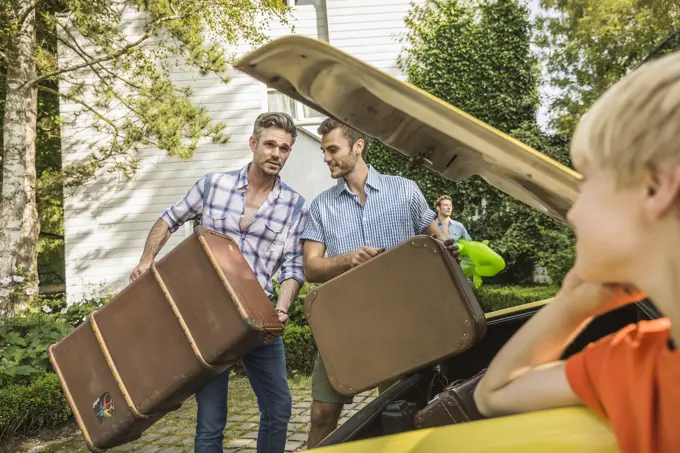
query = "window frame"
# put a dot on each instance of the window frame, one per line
(298, 108)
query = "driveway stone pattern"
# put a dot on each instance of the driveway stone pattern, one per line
(175, 432)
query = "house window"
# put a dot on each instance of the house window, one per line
(303, 115)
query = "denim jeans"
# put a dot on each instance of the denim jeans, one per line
(266, 369)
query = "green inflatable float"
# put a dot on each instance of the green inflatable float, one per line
(478, 260)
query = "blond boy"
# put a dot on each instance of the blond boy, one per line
(627, 224)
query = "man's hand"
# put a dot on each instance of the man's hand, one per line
(597, 298)
(283, 316)
(451, 246)
(139, 270)
(364, 254)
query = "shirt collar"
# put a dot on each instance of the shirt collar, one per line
(373, 181)
(242, 182)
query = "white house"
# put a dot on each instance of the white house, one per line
(106, 222)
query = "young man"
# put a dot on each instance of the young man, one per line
(627, 224)
(351, 222)
(449, 227)
(266, 218)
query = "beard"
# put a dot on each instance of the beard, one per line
(343, 166)
(270, 167)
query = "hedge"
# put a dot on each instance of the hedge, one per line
(493, 298)
(25, 409)
(300, 349)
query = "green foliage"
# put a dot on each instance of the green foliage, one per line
(16, 290)
(24, 343)
(300, 349)
(27, 408)
(493, 298)
(476, 56)
(591, 44)
(121, 86)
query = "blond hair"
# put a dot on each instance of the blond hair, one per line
(635, 125)
(442, 198)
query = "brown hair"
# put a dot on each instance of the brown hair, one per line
(274, 119)
(330, 124)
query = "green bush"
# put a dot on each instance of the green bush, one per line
(25, 409)
(24, 340)
(493, 298)
(300, 349)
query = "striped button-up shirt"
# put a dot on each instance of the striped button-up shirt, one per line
(395, 210)
(456, 230)
(270, 242)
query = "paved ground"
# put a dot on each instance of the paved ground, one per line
(174, 433)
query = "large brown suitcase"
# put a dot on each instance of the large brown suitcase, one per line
(454, 405)
(197, 311)
(407, 308)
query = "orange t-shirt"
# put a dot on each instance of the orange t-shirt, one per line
(632, 379)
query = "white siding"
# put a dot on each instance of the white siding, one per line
(369, 30)
(107, 221)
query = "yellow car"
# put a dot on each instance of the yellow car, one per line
(452, 143)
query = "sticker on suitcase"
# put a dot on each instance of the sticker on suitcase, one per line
(103, 408)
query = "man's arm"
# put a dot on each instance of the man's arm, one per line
(174, 217)
(319, 269)
(434, 231)
(292, 275)
(155, 241)
(423, 218)
(289, 290)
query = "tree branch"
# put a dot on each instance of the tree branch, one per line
(85, 56)
(4, 57)
(122, 51)
(78, 101)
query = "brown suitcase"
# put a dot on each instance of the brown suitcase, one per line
(407, 308)
(197, 311)
(454, 405)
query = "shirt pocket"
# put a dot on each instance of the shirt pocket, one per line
(272, 240)
(216, 219)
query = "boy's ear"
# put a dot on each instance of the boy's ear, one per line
(663, 189)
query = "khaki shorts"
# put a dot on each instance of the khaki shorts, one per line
(323, 391)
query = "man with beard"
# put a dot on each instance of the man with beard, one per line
(266, 218)
(351, 222)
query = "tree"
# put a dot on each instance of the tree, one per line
(131, 99)
(476, 55)
(591, 44)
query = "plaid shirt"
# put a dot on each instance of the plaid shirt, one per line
(395, 211)
(271, 240)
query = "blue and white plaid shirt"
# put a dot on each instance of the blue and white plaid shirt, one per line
(271, 240)
(395, 211)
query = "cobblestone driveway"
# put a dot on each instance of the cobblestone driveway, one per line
(175, 432)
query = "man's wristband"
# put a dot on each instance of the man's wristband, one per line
(280, 310)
